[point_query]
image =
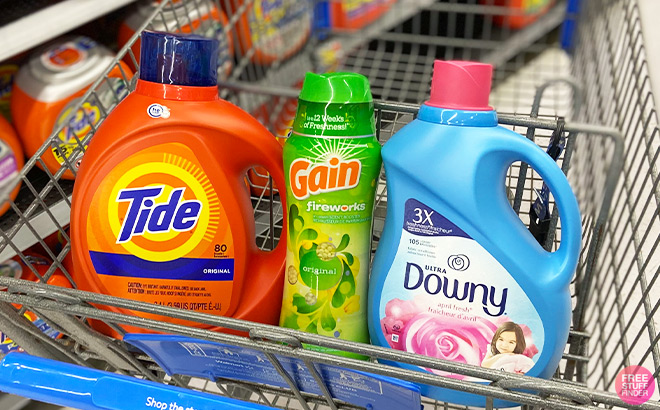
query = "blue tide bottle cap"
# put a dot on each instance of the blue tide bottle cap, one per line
(178, 59)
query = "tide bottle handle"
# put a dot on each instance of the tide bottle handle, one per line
(269, 157)
(66, 384)
(562, 262)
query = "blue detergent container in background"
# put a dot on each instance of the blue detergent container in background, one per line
(457, 275)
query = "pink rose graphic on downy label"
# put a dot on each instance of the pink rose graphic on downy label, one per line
(408, 328)
(449, 339)
(397, 315)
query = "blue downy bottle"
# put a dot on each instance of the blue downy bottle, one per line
(457, 275)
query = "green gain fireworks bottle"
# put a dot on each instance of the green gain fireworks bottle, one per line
(331, 163)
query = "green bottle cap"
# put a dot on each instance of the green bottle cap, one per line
(336, 88)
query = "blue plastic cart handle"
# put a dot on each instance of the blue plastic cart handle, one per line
(88, 389)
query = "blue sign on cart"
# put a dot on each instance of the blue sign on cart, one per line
(212, 360)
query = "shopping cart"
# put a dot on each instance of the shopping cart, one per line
(70, 385)
(609, 330)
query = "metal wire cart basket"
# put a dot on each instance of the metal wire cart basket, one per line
(596, 96)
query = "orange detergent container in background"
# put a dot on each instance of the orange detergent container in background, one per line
(160, 212)
(522, 12)
(16, 268)
(355, 14)
(48, 87)
(11, 162)
(40, 264)
(275, 29)
(184, 17)
(8, 70)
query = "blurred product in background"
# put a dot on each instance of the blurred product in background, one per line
(11, 162)
(272, 30)
(349, 15)
(48, 87)
(202, 17)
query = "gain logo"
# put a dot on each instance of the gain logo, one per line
(458, 262)
(308, 178)
(158, 111)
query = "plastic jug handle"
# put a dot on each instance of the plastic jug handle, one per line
(66, 384)
(269, 157)
(564, 260)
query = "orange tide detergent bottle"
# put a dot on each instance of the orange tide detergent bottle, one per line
(185, 17)
(160, 212)
(11, 162)
(49, 86)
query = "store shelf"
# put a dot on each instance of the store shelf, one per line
(50, 22)
(280, 79)
(370, 53)
(400, 12)
(399, 62)
(366, 53)
(525, 38)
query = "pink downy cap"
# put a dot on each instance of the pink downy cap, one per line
(461, 85)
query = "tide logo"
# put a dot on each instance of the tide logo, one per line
(161, 207)
(307, 178)
(142, 216)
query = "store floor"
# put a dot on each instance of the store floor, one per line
(10, 402)
(43, 406)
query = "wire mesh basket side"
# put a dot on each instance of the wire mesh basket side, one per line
(65, 307)
(623, 310)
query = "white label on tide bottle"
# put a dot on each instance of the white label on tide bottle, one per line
(445, 296)
(156, 110)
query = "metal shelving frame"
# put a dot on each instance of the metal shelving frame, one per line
(49, 22)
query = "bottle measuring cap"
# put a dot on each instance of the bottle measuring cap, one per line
(461, 85)
(336, 88)
(178, 59)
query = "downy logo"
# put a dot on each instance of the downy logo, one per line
(307, 178)
(493, 300)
